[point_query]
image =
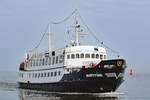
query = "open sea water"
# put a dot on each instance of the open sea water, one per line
(135, 87)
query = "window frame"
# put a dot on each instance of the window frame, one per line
(97, 56)
(68, 56)
(77, 56)
(37, 62)
(49, 63)
(57, 59)
(93, 55)
(101, 56)
(43, 62)
(51, 74)
(72, 56)
(82, 55)
(87, 55)
(53, 61)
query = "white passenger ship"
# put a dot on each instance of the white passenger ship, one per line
(74, 68)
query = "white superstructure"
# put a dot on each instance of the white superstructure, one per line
(51, 66)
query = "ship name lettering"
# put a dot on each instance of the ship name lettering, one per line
(94, 75)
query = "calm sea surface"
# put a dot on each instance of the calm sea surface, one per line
(135, 87)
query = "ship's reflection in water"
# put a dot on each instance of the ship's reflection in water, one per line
(40, 95)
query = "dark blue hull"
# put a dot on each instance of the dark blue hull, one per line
(102, 78)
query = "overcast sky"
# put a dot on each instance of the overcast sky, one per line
(123, 25)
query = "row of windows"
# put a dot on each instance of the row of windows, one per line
(97, 56)
(38, 75)
(46, 61)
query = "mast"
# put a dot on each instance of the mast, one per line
(77, 27)
(49, 38)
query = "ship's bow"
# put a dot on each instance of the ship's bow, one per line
(107, 76)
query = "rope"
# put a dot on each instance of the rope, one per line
(59, 22)
(94, 36)
(65, 19)
(39, 41)
(89, 28)
(110, 49)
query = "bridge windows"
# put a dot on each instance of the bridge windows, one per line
(87, 55)
(97, 56)
(68, 56)
(104, 56)
(93, 55)
(77, 55)
(72, 56)
(82, 55)
(101, 56)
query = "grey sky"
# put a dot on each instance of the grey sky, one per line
(123, 25)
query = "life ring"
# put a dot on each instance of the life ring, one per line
(22, 64)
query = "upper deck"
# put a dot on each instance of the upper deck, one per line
(70, 57)
(84, 48)
(78, 56)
